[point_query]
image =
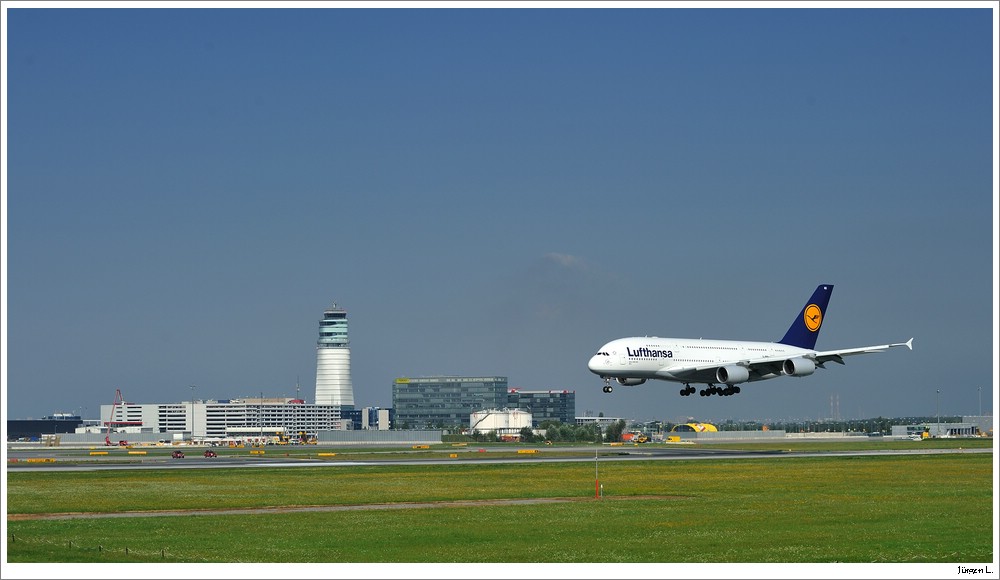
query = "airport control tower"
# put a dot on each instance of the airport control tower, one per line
(333, 360)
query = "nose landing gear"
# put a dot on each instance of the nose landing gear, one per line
(607, 385)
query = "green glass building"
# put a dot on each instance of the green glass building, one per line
(445, 401)
(544, 405)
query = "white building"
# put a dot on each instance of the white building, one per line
(222, 419)
(603, 422)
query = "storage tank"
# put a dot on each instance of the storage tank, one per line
(499, 419)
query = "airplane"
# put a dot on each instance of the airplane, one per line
(632, 361)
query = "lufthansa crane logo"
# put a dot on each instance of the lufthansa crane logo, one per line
(813, 317)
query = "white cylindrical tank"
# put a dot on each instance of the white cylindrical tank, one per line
(496, 419)
(519, 419)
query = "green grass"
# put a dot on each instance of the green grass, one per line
(898, 509)
(855, 444)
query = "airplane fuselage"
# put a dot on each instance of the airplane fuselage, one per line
(652, 357)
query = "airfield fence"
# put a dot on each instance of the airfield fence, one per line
(90, 552)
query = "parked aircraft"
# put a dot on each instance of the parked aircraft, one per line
(632, 361)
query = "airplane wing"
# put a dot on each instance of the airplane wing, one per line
(762, 367)
(837, 356)
(759, 368)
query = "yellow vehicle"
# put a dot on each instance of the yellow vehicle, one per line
(634, 438)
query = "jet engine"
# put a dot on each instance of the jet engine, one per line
(798, 367)
(732, 374)
(630, 382)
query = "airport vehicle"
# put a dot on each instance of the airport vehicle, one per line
(634, 437)
(633, 361)
(210, 453)
(177, 454)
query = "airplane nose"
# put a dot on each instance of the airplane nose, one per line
(594, 363)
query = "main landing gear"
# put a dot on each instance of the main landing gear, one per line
(711, 390)
(607, 385)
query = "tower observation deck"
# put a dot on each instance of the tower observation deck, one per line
(333, 360)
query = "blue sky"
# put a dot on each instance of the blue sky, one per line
(497, 192)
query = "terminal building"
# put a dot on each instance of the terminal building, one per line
(544, 405)
(248, 418)
(445, 401)
(970, 426)
(602, 422)
(50, 424)
(371, 419)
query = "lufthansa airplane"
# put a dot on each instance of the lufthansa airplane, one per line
(631, 361)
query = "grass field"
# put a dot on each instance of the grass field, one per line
(899, 509)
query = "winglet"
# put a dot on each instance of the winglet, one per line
(908, 344)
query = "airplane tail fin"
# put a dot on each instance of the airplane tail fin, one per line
(805, 328)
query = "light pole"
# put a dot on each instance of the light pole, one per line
(980, 401)
(597, 479)
(192, 413)
(937, 401)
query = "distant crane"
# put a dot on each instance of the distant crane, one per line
(119, 400)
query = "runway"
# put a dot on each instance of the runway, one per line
(79, 460)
